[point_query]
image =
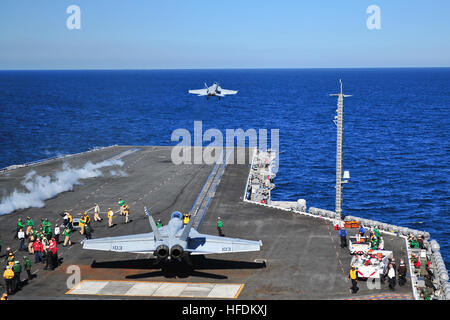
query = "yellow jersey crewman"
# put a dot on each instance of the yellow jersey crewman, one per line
(110, 217)
(354, 278)
(126, 211)
(82, 222)
(8, 275)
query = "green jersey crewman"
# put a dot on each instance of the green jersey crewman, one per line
(17, 268)
(67, 234)
(27, 265)
(377, 232)
(30, 225)
(220, 226)
(414, 243)
(20, 225)
(30, 222)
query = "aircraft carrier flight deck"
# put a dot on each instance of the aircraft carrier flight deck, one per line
(300, 258)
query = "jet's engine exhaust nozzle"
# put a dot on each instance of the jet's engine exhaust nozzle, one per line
(176, 251)
(162, 251)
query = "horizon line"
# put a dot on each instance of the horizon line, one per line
(218, 68)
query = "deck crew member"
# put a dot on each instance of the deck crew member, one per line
(21, 237)
(53, 248)
(87, 218)
(220, 226)
(186, 219)
(57, 233)
(362, 231)
(377, 232)
(17, 269)
(45, 251)
(31, 239)
(343, 235)
(420, 241)
(67, 234)
(47, 229)
(70, 219)
(373, 241)
(110, 217)
(414, 243)
(121, 205)
(126, 211)
(42, 225)
(159, 224)
(97, 213)
(391, 276)
(30, 225)
(401, 273)
(49, 260)
(27, 266)
(11, 259)
(45, 243)
(87, 231)
(67, 219)
(8, 275)
(354, 278)
(20, 225)
(82, 223)
(394, 264)
(37, 248)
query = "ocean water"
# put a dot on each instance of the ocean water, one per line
(396, 128)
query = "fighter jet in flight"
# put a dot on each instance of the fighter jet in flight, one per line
(214, 90)
(174, 241)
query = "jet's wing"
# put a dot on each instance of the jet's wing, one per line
(225, 91)
(200, 92)
(207, 244)
(138, 243)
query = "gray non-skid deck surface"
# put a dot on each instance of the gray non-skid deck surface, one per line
(303, 257)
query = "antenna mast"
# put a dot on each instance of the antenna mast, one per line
(339, 122)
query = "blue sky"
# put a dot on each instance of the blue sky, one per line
(140, 34)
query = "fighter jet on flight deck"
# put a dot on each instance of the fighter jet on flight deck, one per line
(174, 241)
(214, 90)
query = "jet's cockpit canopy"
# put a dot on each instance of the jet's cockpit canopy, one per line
(177, 214)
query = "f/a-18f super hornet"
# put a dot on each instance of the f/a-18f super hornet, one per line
(173, 241)
(214, 90)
